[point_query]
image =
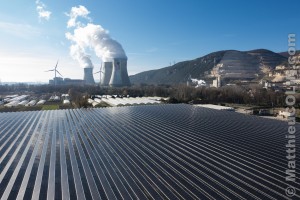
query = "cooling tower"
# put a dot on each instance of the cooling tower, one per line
(88, 76)
(124, 74)
(119, 75)
(107, 69)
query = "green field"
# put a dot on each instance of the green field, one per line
(50, 107)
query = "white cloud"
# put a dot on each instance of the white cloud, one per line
(79, 11)
(20, 30)
(43, 14)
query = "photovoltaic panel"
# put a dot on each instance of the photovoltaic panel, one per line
(142, 152)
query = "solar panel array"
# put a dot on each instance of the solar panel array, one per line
(142, 152)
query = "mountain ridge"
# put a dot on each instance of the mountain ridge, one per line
(228, 63)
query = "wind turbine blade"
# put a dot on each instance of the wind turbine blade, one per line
(49, 70)
(56, 64)
(59, 73)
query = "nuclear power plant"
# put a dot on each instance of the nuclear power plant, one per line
(115, 73)
(88, 76)
(94, 37)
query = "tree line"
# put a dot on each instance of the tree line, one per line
(251, 94)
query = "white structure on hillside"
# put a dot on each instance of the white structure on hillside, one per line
(217, 82)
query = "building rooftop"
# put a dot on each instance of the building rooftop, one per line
(142, 152)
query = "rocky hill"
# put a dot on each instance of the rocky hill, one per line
(286, 54)
(229, 64)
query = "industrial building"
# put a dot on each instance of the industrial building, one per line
(143, 152)
(56, 81)
(66, 81)
(217, 82)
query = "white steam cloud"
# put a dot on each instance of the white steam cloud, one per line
(90, 36)
(78, 54)
(76, 12)
(43, 14)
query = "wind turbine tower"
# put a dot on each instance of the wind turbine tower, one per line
(100, 72)
(55, 71)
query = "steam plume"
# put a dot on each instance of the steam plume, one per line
(78, 54)
(91, 36)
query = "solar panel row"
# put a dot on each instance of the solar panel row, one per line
(143, 152)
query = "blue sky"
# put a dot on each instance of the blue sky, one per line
(153, 33)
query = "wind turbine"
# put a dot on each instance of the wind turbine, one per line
(55, 70)
(100, 72)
